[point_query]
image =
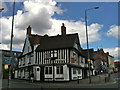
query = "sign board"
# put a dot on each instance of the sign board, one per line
(6, 66)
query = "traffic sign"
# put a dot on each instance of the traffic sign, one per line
(88, 60)
(6, 66)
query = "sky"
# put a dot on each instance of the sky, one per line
(46, 17)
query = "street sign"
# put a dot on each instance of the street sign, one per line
(6, 66)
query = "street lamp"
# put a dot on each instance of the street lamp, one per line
(88, 58)
(11, 54)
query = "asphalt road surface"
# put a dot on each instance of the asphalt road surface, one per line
(59, 86)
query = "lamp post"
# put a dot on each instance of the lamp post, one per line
(12, 27)
(88, 54)
(1, 9)
(11, 54)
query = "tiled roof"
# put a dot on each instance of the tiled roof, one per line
(57, 42)
(34, 39)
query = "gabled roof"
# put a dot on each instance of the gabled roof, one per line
(34, 39)
(58, 42)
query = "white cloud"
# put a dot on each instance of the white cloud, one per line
(113, 31)
(3, 5)
(5, 33)
(77, 27)
(114, 52)
(39, 14)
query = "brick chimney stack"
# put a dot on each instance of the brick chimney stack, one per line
(63, 29)
(29, 30)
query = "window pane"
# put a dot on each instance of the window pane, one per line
(57, 69)
(74, 71)
(55, 53)
(46, 70)
(79, 71)
(61, 70)
(50, 70)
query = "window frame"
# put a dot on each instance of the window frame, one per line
(48, 70)
(74, 70)
(59, 69)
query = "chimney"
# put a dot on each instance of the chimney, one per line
(29, 30)
(63, 29)
(107, 53)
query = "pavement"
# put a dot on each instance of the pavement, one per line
(95, 81)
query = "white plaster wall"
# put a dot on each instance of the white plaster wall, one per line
(27, 44)
(26, 74)
(32, 59)
(75, 46)
(36, 73)
(65, 72)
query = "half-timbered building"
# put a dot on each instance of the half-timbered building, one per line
(57, 58)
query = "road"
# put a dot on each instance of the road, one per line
(43, 85)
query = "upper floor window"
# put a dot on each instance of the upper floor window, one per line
(53, 53)
(74, 55)
(19, 62)
(82, 59)
(47, 54)
(23, 59)
(29, 58)
(62, 54)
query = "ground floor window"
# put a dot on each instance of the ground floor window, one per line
(74, 70)
(59, 69)
(48, 70)
(79, 71)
